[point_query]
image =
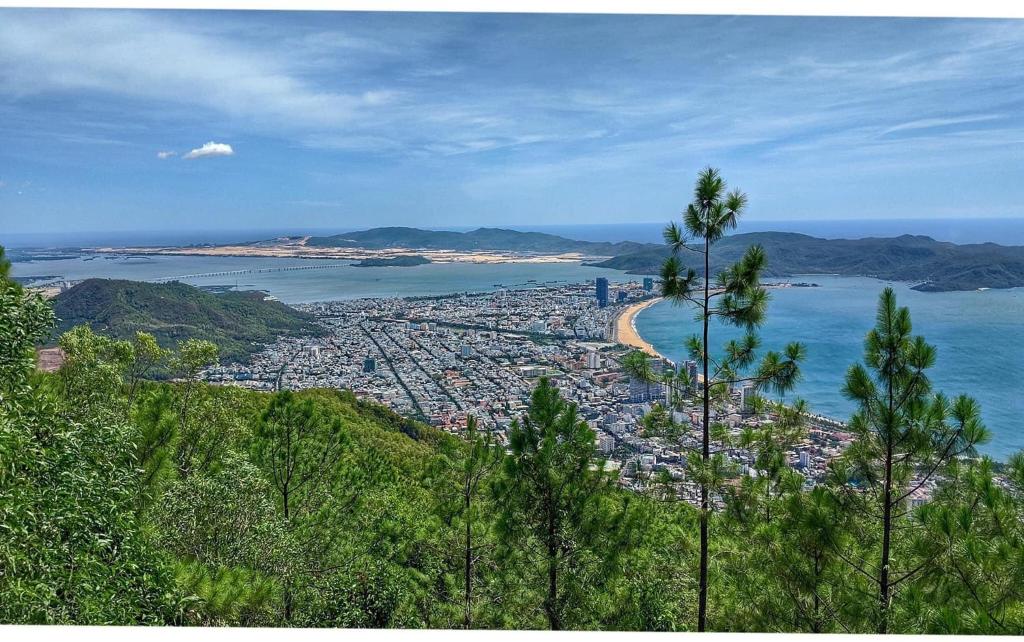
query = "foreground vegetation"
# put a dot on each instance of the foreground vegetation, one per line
(126, 501)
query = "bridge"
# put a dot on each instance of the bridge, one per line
(265, 270)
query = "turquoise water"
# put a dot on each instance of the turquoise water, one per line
(977, 334)
(340, 281)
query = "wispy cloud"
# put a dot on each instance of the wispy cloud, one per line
(164, 155)
(143, 56)
(210, 150)
(933, 123)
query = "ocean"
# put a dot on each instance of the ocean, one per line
(977, 335)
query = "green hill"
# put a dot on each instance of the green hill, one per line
(484, 238)
(934, 265)
(239, 322)
(395, 261)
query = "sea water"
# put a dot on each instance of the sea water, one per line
(977, 334)
(333, 280)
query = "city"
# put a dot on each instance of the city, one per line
(441, 359)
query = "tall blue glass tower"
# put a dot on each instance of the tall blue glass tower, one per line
(602, 291)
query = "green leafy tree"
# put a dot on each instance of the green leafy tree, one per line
(91, 375)
(226, 521)
(73, 550)
(193, 356)
(905, 435)
(200, 437)
(735, 297)
(146, 354)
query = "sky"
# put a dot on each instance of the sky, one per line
(157, 120)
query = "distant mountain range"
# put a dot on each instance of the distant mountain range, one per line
(238, 322)
(484, 239)
(934, 266)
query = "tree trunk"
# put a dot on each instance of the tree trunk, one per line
(883, 581)
(551, 603)
(468, 621)
(816, 624)
(702, 600)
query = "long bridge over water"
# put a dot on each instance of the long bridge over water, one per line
(265, 270)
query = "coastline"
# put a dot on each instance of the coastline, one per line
(625, 328)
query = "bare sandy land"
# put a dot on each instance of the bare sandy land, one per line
(297, 248)
(625, 328)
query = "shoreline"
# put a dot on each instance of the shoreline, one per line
(625, 328)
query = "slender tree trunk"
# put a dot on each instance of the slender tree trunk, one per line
(702, 600)
(288, 601)
(816, 624)
(468, 621)
(883, 582)
(551, 603)
(883, 579)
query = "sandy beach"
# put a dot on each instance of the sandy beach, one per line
(625, 328)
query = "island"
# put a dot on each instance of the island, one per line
(407, 260)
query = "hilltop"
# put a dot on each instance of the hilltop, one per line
(239, 322)
(935, 266)
(484, 238)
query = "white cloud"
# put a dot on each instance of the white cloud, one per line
(930, 123)
(210, 149)
(147, 56)
(165, 155)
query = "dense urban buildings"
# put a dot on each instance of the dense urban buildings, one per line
(442, 359)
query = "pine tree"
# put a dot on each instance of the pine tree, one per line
(736, 298)
(905, 436)
(300, 449)
(556, 500)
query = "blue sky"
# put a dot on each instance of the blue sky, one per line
(340, 120)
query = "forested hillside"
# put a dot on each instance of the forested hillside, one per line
(238, 322)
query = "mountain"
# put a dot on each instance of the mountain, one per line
(239, 322)
(935, 266)
(484, 238)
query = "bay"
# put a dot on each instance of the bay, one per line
(334, 280)
(977, 335)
